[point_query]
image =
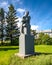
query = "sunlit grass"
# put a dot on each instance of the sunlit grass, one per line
(7, 56)
(33, 60)
(43, 48)
(6, 53)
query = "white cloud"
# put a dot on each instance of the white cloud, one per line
(19, 21)
(20, 10)
(18, 24)
(4, 5)
(34, 27)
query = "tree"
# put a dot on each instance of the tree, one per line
(41, 35)
(2, 22)
(12, 27)
(40, 39)
(43, 39)
(33, 32)
(46, 39)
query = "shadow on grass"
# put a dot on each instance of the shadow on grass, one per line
(39, 53)
(6, 49)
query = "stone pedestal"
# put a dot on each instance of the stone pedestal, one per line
(26, 40)
(26, 45)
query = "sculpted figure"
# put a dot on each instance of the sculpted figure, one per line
(25, 21)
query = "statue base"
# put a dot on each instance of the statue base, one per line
(26, 45)
(23, 56)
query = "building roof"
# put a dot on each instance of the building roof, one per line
(44, 31)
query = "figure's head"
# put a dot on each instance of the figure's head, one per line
(26, 13)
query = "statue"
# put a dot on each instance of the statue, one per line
(26, 40)
(25, 21)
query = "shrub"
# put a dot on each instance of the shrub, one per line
(43, 39)
(15, 41)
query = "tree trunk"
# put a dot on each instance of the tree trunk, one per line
(2, 35)
(11, 35)
(11, 39)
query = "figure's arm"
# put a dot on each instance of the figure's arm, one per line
(24, 19)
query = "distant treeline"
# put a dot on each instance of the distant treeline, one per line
(43, 39)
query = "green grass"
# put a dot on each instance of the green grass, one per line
(6, 52)
(33, 60)
(7, 56)
(43, 48)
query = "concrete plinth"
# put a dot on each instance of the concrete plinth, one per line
(23, 56)
(26, 45)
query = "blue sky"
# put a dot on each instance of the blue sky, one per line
(40, 11)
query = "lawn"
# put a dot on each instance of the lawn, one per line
(7, 56)
(43, 48)
(6, 52)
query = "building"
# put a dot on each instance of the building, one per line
(49, 32)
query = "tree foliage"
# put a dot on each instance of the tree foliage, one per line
(12, 28)
(9, 31)
(43, 39)
(1, 24)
